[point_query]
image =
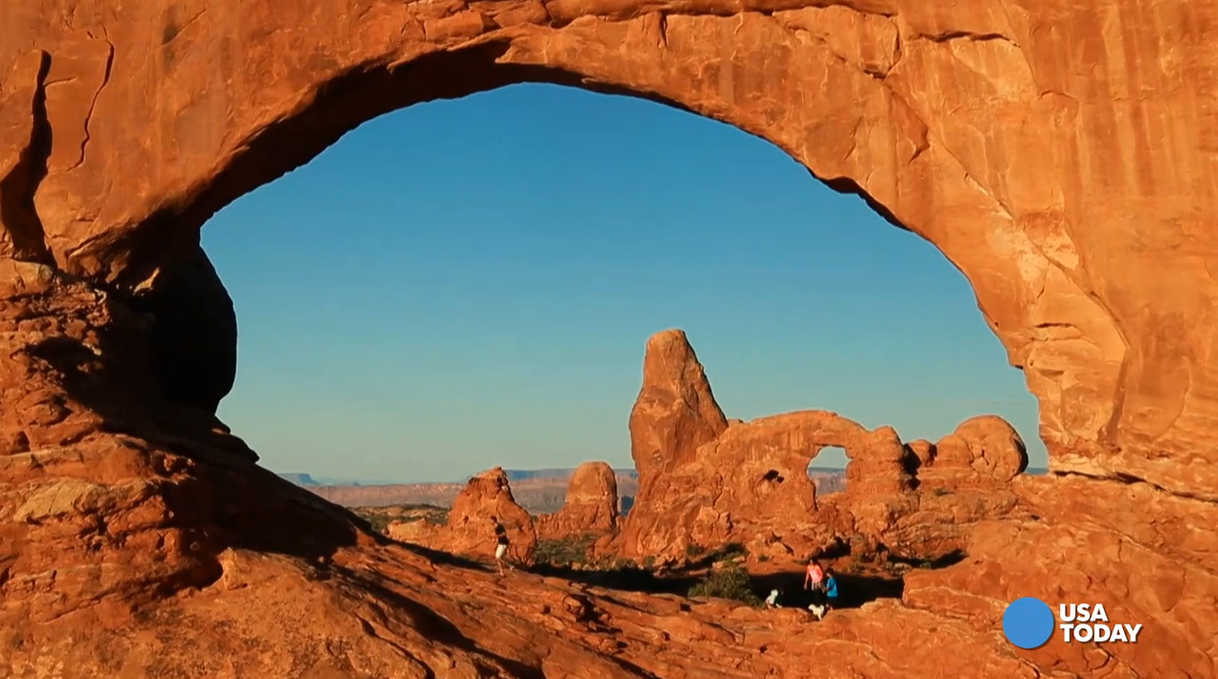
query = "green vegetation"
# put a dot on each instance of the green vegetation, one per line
(564, 551)
(381, 517)
(730, 552)
(940, 492)
(379, 521)
(727, 583)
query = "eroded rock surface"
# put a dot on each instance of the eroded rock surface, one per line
(1060, 154)
(590, 506)
(749, 484)
(469, 530)
(1089, 257)
(982, 450)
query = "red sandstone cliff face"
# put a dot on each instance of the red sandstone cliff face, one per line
(590, 507)
(1058, 153)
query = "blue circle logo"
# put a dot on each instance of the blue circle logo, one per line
(1028, 622)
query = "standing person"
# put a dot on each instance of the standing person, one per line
(830, 590)
(501, 544)
(814, 575)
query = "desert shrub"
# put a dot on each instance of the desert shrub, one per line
(731, 550)
(564, 551)
(727, 583)
(379, 521)
(605, 562)
(380, 517)
(694, 550)
(436, 517)
(649, 562)
(940, 492)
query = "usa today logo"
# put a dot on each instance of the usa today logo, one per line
(1029, 623)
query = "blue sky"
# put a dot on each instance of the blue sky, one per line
(470, 283)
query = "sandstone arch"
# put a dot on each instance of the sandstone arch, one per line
(1059, 153)
(959, 126)
(702, 487)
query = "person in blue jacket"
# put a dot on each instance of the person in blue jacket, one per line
(830, 585)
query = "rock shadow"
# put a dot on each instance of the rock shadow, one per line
(950, 559)
(435, 555)
(854, 590)
(623, 579)
(122, 399)
(240, 505)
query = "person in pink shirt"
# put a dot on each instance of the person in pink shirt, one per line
(814, 576)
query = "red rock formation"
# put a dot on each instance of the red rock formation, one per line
(469, 530)
(1044, 237)
(749, 484)
(675, 411)
(983, 450)
(590, 506)
(1058, 153)
(921, 454)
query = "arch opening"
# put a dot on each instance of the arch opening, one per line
(865, 129)
(827, 470)
(353, 95)
(307, 182)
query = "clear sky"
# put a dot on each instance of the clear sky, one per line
(470, 283)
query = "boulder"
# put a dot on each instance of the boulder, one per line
(590, 507)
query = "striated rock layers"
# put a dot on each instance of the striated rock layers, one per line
(590, 506)
(1060, 154)
(469, 530)
(700, 491)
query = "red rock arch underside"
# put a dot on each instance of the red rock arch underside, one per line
(1059, 153)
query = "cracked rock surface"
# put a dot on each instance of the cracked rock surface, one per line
(1061, 153)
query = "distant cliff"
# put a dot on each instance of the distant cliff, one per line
(300, 479)
(538, 494)
(540, 491)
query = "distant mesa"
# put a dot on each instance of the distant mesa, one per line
(554, 473)
(300, 479)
